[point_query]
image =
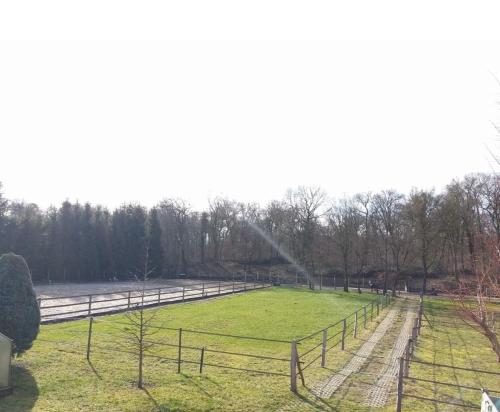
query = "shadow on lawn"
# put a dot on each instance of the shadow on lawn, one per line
(171, 405)
(25, 391)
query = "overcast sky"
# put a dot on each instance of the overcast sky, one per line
(111, 102)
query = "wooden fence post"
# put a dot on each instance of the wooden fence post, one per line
(371, 313)
(323, 348)
(355, 324)
(364, 317)
(293, 367)
(202, 289)
(219, 287)
(400, 386)
(233, 285)
(90, 304)
(128, 300)
(334, 283)
(377, 308)
(159, 296)
(201, 359)
(179, 353)
(344, 322)
(407, 357)
(89, 339)
(39, 300)
(183, 292)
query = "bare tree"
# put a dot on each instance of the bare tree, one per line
(423, 209)
(306, 204)
(139, 327)
(222, 218)
(176, 212)
(344, 221)
(473, 295)
(392, 231)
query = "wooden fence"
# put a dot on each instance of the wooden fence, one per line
(314, 347)
(79, 306)
(404, 377)
(185, 346)
(302, 352)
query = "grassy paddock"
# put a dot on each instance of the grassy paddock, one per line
(55, 376)
(447, 340)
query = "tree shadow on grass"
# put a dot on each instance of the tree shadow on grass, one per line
(171, 405)
(25, 391)
(91, 365)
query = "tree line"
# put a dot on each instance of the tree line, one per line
(421, 233)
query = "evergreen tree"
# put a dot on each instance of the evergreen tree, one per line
(19, 312)
(155, 246)
(3, 221)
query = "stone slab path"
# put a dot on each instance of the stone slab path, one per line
(386, 379)
(327, 388)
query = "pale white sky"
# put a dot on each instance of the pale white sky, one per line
(117, 101)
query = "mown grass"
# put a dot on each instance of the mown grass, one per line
(55, 375)
(447, 340)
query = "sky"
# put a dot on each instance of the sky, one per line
(120, 101)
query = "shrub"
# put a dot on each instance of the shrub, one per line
(19, 312)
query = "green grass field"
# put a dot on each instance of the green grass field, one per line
(55, 375)
(447, 340)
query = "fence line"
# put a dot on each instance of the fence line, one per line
(134, 298)
(197, 354)
(407, 359)
(348, 329)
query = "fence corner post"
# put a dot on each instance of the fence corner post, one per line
(293, 367)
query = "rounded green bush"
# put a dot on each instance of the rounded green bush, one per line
(19, 312)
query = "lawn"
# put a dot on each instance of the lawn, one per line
(447, 340)
(55, 375)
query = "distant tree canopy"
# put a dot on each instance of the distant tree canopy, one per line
(19, 312)
(421, 233)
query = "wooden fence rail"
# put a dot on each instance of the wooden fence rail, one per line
(56, 309)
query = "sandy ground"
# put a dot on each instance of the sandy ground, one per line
(70, 300)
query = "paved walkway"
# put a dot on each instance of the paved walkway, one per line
(381, 389)
(327, 388)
